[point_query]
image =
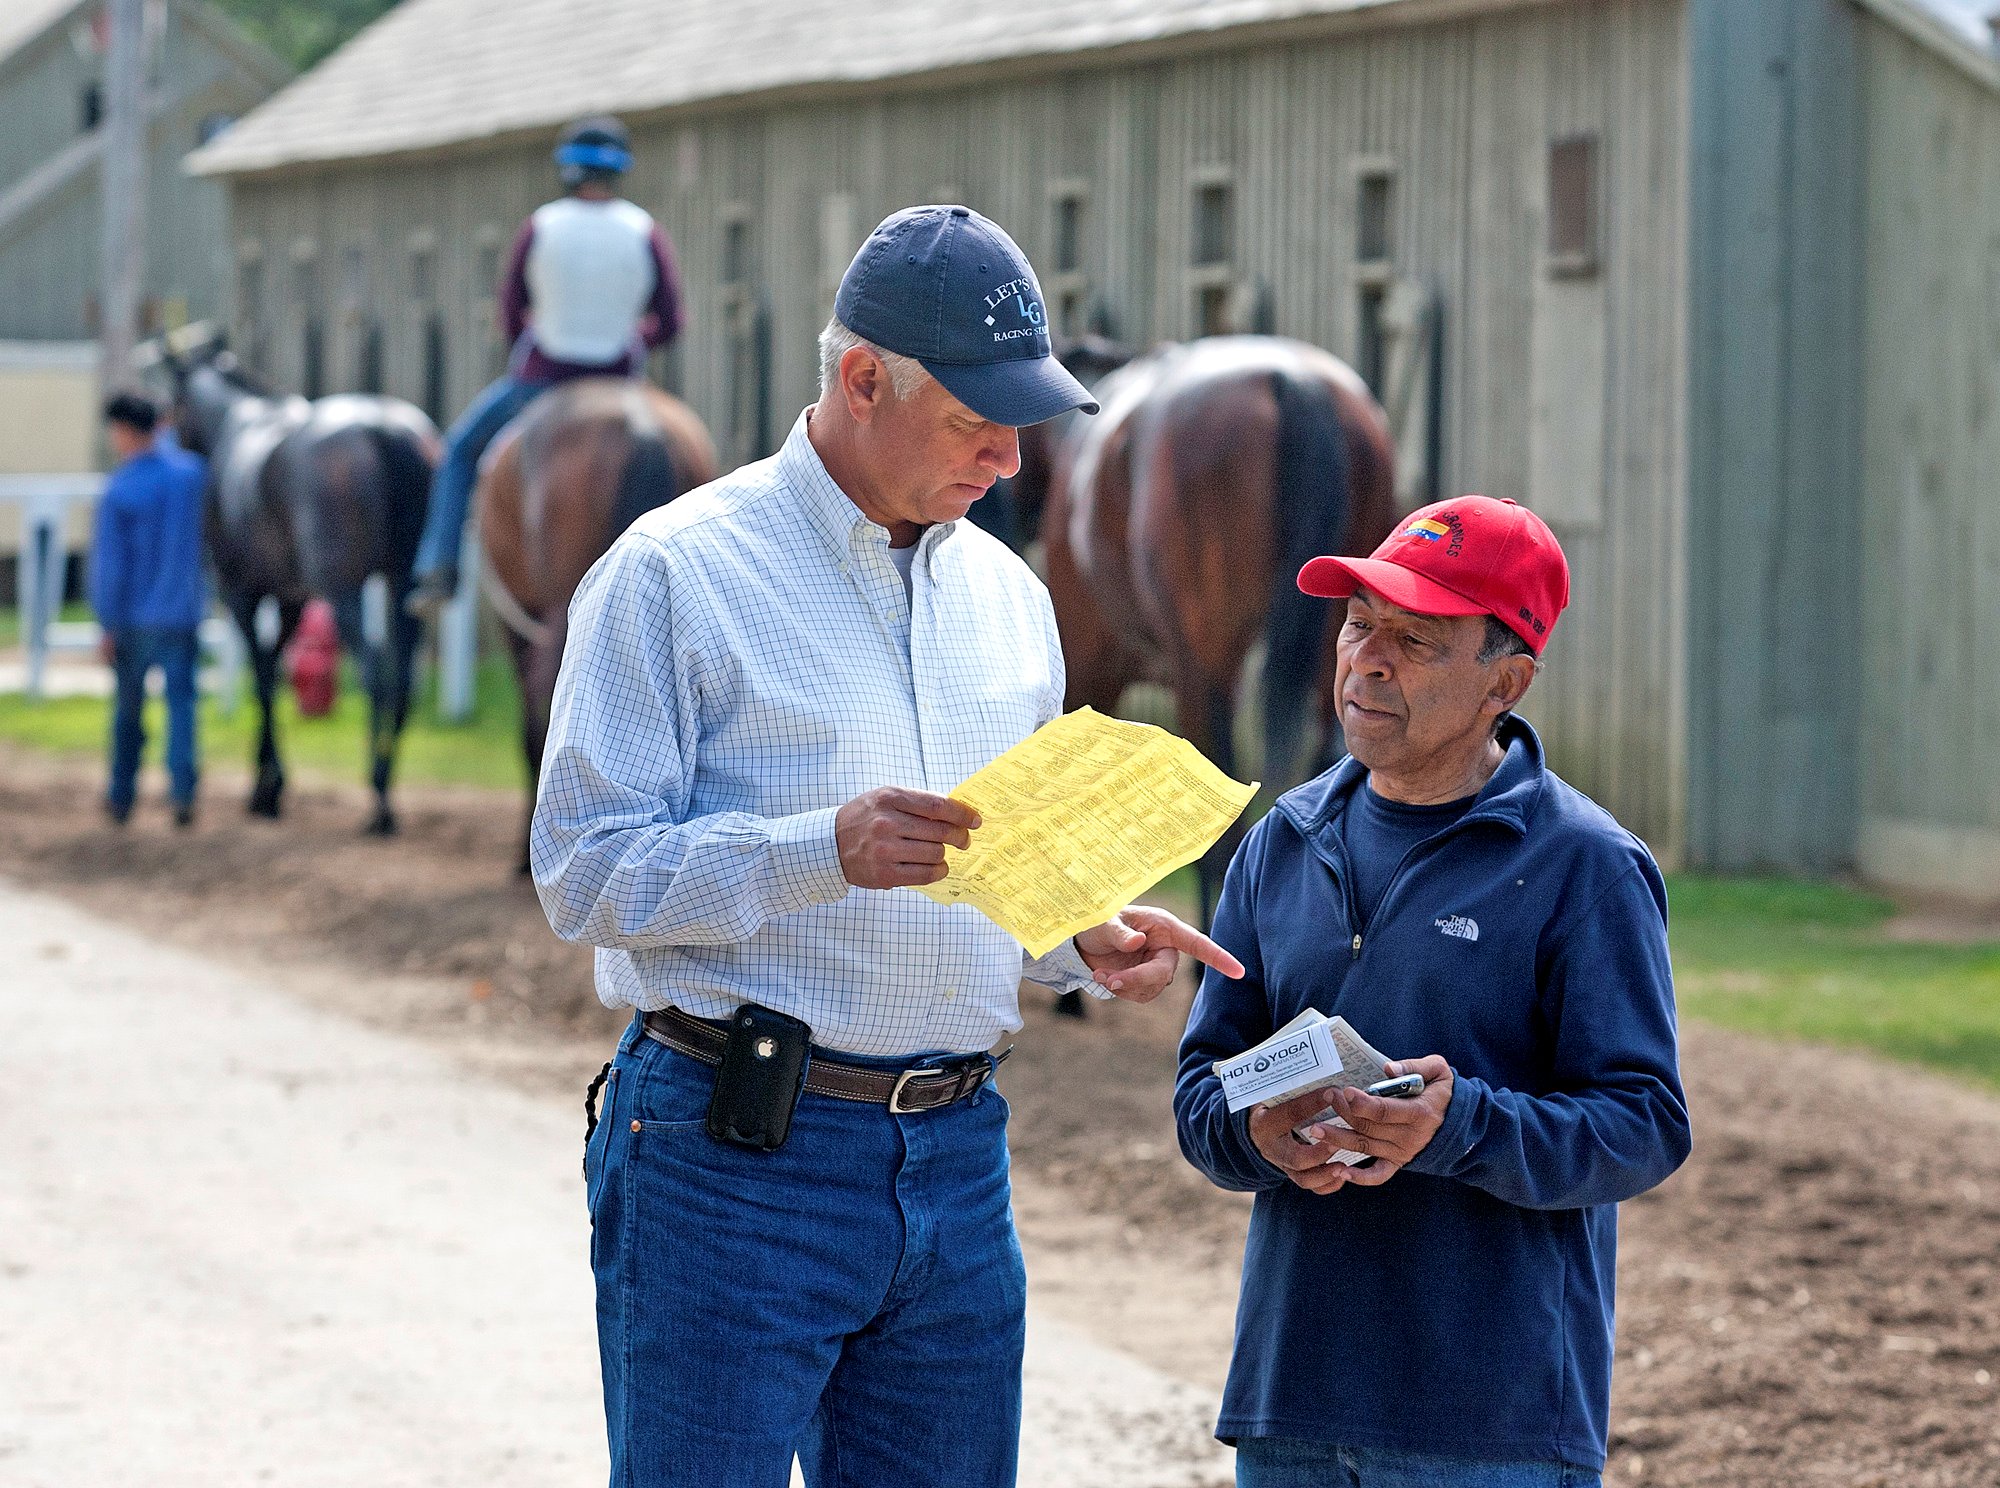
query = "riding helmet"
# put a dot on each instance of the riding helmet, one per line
(593, 148)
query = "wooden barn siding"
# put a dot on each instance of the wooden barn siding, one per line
(1465, 112)
(49, 262)
(1929, 585)
(1774, 443)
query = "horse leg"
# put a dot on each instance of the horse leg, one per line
(533, 738)
(390, 703)
(266, 795)
(538, 695)
(1207, 709)
(375, 665)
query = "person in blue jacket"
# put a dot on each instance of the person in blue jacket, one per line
(149, 591)
(1440, 1314)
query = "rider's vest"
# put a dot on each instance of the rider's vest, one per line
(590, 277)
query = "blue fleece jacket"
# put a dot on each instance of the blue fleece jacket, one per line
(1465, 1306)
(146, 558)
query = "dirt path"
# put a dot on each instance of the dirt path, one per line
(1813, 1300)
(265, 1243)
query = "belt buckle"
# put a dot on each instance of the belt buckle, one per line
(972, 1073)
(896, 1106)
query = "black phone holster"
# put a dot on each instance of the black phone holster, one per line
(757, 1085)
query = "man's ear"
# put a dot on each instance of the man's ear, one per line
(1510, 683)
(864, 383)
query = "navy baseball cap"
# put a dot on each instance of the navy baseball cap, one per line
(947, 287)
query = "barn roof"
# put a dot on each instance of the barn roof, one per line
(434, 74)
(24, 21)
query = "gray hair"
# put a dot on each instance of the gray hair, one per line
(1501, 640)
(906, 374)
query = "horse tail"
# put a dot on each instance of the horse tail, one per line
(650, 478)
(407, 467)
(1310, 510)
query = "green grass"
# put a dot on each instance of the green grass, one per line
(10, 622)
(483, 751)
(1810, 961)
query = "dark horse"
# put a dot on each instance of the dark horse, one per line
(310, 499)
(1177, 520)
(576, 468)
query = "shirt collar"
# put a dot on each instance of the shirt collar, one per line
(832, 512)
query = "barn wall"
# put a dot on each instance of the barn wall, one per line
(49, 255)
(1565, 392)
(1774, 433)
(1928, 588)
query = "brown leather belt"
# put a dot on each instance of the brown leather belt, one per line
(902, 1091)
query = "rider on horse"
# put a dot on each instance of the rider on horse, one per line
(590, 287)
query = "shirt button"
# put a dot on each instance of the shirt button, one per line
(949, 993)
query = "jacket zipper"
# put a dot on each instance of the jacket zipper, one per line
(1388, 889)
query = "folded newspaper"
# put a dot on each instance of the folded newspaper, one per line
(1312, 1052)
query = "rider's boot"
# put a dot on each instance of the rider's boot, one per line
(432, 593)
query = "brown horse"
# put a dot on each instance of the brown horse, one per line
(1176, 523)
(580, 465)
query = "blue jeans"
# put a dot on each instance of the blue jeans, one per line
(1287, 1462)
(451, 487)
(856, 1297)
(136, 651)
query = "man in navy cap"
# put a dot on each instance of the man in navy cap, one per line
(770, 687)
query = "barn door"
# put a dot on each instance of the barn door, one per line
(1411, 331)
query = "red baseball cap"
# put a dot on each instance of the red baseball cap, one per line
(1472, 556)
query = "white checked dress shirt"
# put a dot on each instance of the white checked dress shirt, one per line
(742, 663)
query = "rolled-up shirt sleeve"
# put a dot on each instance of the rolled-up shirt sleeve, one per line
(617, 858)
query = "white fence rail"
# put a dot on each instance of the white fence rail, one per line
(45, 502)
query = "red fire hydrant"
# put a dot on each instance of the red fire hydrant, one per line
(313, 660)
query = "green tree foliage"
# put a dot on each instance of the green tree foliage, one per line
(303, 31)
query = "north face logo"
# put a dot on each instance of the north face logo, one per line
(1462, 927)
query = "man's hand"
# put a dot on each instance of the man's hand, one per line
(1393, 1131)
(1390, 1131)
(894, 838)
(1135, 953)
(1309, 1163)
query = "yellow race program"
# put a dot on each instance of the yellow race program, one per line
(1077, 819)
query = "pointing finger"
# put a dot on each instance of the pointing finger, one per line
(1176, 932)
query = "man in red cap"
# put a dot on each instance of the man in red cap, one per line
(1442, 1313)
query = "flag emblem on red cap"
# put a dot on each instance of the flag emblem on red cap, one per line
(1428, 528)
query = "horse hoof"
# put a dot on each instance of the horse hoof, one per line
(264, 806)
(1070, 1005)
(383, 825)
